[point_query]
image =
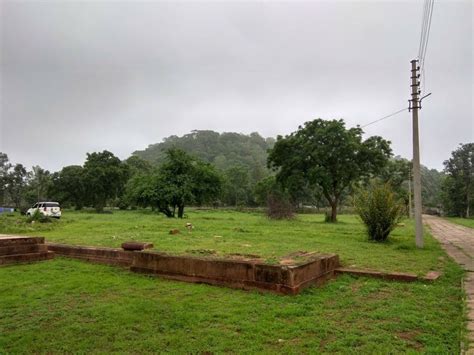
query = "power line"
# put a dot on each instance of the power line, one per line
(423, 28)
(385, 117)
(427, 31)
(425, 36)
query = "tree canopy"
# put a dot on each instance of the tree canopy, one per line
(179, 181)
(104, 177)
(326, 154)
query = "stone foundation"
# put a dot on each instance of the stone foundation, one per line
(18, 249)
(102, 255)
(287, 279)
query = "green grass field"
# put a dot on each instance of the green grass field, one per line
(231, 232)
(71, 306)
(466, 222)
(67, 306)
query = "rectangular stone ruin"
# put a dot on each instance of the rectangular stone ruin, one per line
(19, 249)
(101, 255)
(287, 279)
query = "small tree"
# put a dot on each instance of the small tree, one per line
(379, 209)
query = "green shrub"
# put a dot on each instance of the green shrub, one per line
(379, 209)
(39, 217)
(279, 207)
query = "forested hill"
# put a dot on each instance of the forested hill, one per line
(243, 161)
(224, 150)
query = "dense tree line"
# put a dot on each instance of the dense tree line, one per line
(458, 187)
(321, 164)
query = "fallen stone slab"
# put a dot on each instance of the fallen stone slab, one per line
(136, 246)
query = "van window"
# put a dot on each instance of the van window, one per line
(35, 206)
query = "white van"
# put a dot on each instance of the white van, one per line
(50, 209)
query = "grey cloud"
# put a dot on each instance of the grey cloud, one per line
(121, 75)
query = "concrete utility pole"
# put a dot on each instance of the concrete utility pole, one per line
(410, 210)
(415, 106)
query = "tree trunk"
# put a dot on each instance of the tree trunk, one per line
(167, 212)
(334, 211)
(180, 211)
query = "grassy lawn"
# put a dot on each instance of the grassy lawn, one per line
(228, 232)
(68, 306)
(65, 305)
(466, 222)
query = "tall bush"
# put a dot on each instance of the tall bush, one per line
(279, 207)
(379, 209)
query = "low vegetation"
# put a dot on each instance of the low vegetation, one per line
(225, 232)
(67, 306)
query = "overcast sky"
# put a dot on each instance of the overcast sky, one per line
(78, 77)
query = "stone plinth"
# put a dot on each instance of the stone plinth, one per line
(102, 255)
(18, 249)
(288, 279)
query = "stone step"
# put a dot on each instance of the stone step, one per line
(25, 258)
(23, 249)
(8, 240)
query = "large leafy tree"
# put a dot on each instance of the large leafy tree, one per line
(104, 177)
(326, 154)
(181, 180)
(458, 188)
(69, 186)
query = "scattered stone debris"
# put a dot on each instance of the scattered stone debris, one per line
(202, 251)
(287, 262)
(174, 231)
(300, 253)
(253, 256)
(432, 276)
(246, 257)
